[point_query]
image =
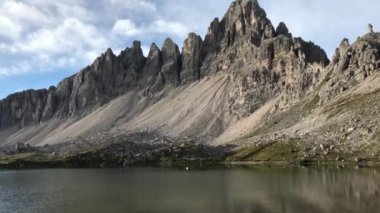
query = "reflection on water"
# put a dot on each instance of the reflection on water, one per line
(169, 190)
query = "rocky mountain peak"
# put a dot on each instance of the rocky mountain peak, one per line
(211, 45)
(153, 49)
(133, 52)
(171, 58)
(137, 44)
(109, 53)
(107, 56)
(169, 45)
(246, 17)
(191, 58)
(151, 68)
(282, 29)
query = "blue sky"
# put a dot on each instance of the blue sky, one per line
(43, 41)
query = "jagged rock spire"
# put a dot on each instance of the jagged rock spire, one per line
(191, 58)
(370, 28)
(171, 58)
(282, 29)
(152, 66)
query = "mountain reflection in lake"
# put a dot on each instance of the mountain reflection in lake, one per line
(171, 190)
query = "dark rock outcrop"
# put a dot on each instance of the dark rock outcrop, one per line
(191, 58)
(152, 67)
(171, 63)
(243, 18)
(311, 52)
(23, 108)
(282, 29)
(108, 77)
(50, 105)
(211, 46)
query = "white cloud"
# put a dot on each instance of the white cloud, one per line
(169, 27)
(72, 35)
(90, 55)
(68, 44)
(3, 46)
(44, 35)
(15, 69)
(28, 15)
(132, 4)
(125, 27)
(9, 29)
(74, 10)
(145, 50)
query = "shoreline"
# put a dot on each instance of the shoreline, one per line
(194, 164)
(124, 154)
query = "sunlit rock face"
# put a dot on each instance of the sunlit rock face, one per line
(352, 64)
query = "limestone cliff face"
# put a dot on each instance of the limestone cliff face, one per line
(351, 64)
(171, 63)
(25, 108)
(263, 62)
(191, 58)
(152, 67)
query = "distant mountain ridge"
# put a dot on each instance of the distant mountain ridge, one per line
(111, 76)
(246, 82)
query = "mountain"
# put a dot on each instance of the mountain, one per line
(246, 83)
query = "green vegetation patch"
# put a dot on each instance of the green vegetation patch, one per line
(305, 153)
(271, 152)
(29, 160)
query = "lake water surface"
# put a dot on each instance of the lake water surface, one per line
(173, 190)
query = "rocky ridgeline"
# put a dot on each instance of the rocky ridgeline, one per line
(263, 62)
